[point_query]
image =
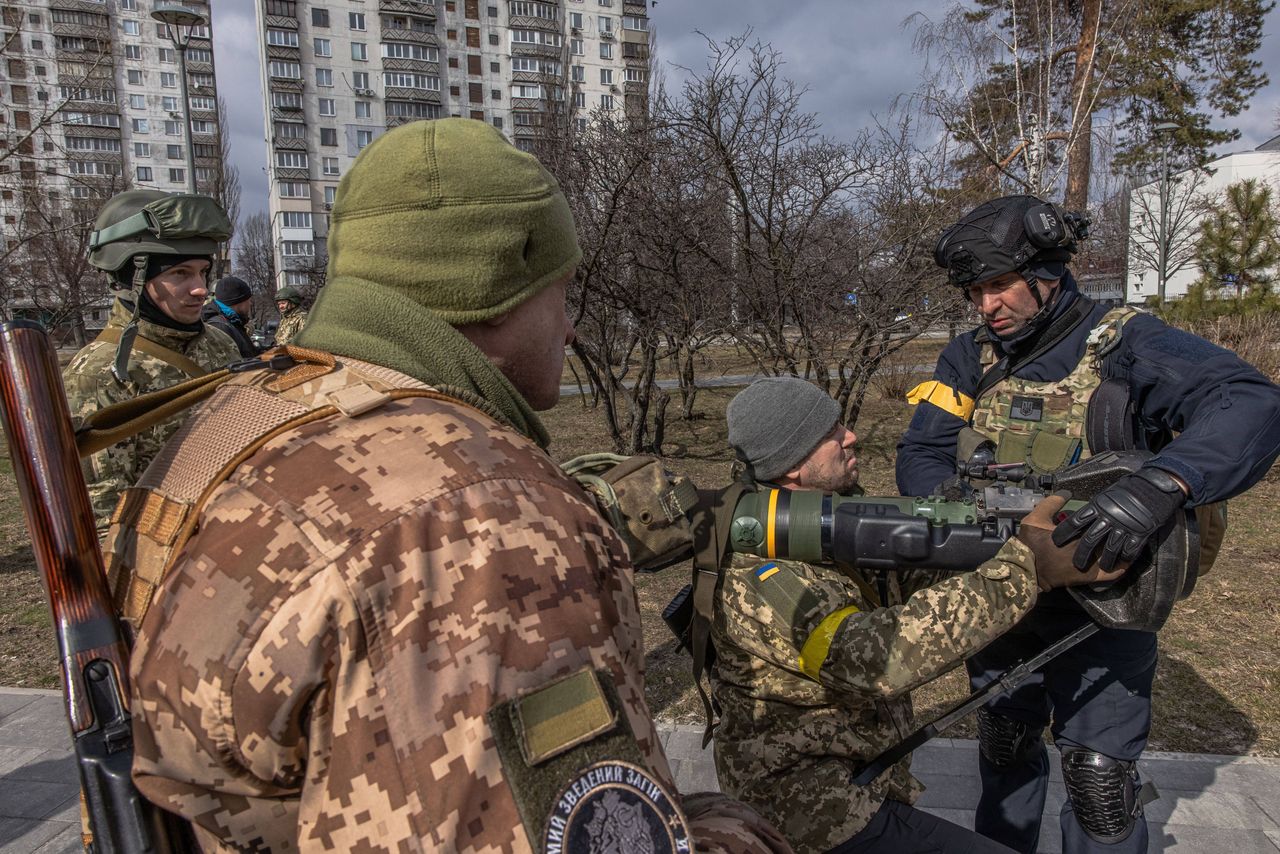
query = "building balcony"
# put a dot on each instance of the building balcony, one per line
(88, 31)
(398, 93)
(635, 37)
(284, 84)
(289, 54)
(395, 34)
(281, 22)
(280, 173)
(412, 7)
(536, 105)
(91, 131)
(543, 50)
(289, 143)
(419, 65)
(199, 67)
(204, 139)
(204, 116)
(526, 22)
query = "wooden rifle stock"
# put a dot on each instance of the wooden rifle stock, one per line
(92, 650)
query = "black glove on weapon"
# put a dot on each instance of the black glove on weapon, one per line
(1122, 517)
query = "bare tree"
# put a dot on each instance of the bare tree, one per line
(224, 182)
(1188, 200)
(255, 263)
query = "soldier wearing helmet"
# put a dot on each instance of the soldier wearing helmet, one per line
(157, 248)
(292, 314)
(1049, 378)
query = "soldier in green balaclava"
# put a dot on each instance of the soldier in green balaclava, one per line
(157, 248)
(292, 315)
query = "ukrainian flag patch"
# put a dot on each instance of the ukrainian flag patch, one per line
(767, 571)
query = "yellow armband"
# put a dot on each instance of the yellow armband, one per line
(942, 396)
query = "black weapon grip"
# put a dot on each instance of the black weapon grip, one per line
(882, 537)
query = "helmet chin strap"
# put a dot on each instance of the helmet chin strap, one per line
(1037, 320)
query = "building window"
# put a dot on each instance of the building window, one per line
(167, 55)
(360, 80)
(497, 122)
(606, 76)
(292, 160)
(405, 50)
(493, 11)
(287, 70)
(330, 165)
(575, 20)
(363, 138)
(133, 51)
(324, 77)
(172, 128)
(295, 219)
(294, 190)
(134, 76)
(581, 125)
(129, 5)
(526, 90)
(495, 94)
(291, 130)
(322, 47)
(173, 152)
(330, 194)
(168, 80)
(327, 107)
(286, 100)
(407, 80)
(580, 99)
(177, 176)
(575, 47)
(319, 17)
(605, 2)
(137, 102)
(412, 109)
(201, 103)
(546, 11)
(606, 102)
(495, 68)
(363, 110)
(635, 75)
(606, 24)
(631, 22)
(169, 104)
(328, 136)
(356, 20)
(297, 248)
(131, 28)
(144, 173)
(359, 52)
(282, 38)
(199, 55)
(199, 127)
(606, 50)
(142, 149)
(140, 126)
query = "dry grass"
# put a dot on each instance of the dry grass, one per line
(1216, 687)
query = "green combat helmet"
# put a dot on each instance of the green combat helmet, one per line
(289, 293)
(138, 224)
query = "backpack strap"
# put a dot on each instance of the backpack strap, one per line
(173, 358)
(710, 542)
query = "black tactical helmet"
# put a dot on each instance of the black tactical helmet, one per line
(1021, 234)
(152, 222)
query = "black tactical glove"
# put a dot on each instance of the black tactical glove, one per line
(1122, 517)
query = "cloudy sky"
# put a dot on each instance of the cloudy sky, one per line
(854, 57)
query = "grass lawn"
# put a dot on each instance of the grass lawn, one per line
(1216, 686)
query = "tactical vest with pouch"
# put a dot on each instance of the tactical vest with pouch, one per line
(1051, 425)
(157, 516)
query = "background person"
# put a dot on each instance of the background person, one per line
(292, 315)
(815, 664)
(230, 311)
(154, 337)
(1027, 380)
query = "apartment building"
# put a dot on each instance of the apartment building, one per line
(337, 73)
(90, 104)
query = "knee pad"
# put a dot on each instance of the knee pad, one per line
(1104, 793)
(1004, 741)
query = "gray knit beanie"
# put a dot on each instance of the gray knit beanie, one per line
(776, 422)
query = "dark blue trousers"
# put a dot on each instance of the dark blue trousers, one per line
(1097, 696)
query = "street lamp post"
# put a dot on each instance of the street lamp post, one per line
(1163, 130)
(180, 22)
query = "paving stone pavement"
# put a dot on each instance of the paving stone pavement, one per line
(1207, 803)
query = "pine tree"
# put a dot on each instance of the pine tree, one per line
(1238, 240)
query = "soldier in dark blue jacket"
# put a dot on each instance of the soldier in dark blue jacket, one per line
(1049, 377)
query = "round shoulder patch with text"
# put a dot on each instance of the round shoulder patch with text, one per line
(612, 807)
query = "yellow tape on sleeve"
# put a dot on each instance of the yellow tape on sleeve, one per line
(818, 644)
(942, 396)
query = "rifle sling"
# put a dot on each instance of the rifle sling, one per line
(120, 421)
(1057, 331)
(173, 358)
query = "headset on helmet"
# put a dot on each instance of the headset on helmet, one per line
(1007, 235)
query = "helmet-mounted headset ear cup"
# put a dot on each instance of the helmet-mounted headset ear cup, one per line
(1045, 227)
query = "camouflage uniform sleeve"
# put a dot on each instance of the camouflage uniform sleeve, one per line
(788, 619)
(111, 471)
